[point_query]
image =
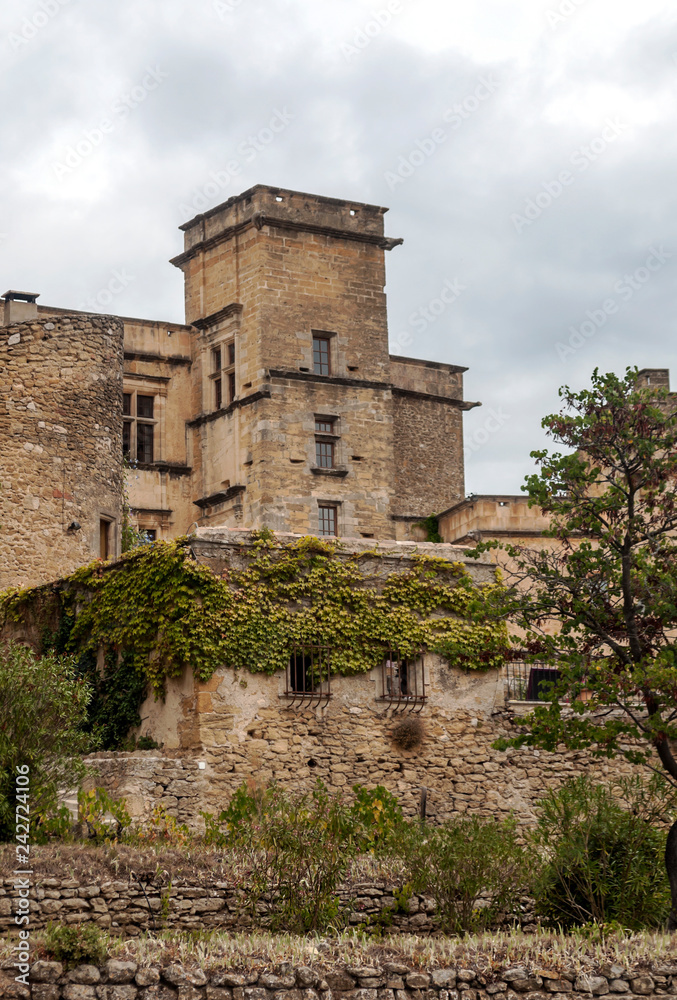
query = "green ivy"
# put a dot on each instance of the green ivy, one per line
(163, 610)
(431, 526)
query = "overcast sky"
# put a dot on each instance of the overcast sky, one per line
(527, 150)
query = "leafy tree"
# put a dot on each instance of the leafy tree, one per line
(43, 705)
(600, 602)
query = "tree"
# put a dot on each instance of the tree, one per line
(600, 601)
(43, 706)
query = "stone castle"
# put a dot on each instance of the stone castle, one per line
(276, 404)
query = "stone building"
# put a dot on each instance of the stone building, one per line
(61, 434)
(277, 403)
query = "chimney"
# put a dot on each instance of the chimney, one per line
(20, 307)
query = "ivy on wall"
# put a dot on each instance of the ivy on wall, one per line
(162, 610)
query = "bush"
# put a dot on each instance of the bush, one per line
(604, 854)
(76, 944)
(377, 816)
(43, 707)
(297, 847)
(473, 868)
(102, 817)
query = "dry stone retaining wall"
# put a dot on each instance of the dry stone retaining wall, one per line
(392, 980)
(123, 907)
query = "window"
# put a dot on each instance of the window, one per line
(324, 454)
(144, 406)
(321, 355)
(403, 679)
(127, 440)
(144, 443)
(324, 425)
(328, 519)
(530, 681)
(325, 441)
(104, 539)
(308, 680)
(138, 428)
(151, 534)
(223, 376)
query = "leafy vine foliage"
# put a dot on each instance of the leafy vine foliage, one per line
(161, 610)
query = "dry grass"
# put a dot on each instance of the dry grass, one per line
(194, 863)
(488, 953)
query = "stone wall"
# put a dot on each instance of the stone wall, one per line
(123, 907)
(387, 979)
(61, 454)
(428, 441)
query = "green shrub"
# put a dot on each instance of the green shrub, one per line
(603, 850)
(43, 706)
(377, 816)
(473, 868)
(104, 818)
(76, 944)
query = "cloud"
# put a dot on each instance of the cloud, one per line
(228, 71)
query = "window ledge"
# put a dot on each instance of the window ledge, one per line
(340, 472)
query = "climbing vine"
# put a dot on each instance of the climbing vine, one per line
(159, 610)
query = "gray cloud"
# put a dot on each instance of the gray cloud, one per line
(353, 120)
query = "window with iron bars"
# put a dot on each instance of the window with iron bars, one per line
(403, 680)
(308, 675)
(529, 681)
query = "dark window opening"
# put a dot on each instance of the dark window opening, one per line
(104, 539)
(216, 359)
(301, 674)
(231, 387)
(321, 356)
(231, 354)
(403, 680)
(324, 454)
(144, 443)
(144, 406)
(530, 682)
(218, 394)
(127, 404)
(308, 676)
(151, 534)
(327, 519)
(127, 439)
